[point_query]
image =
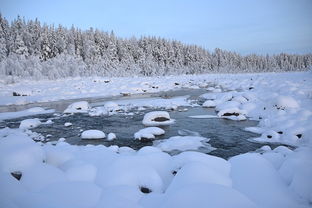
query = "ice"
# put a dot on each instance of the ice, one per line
(30, 123)
(92, 134)
(78, 107)
(28, 112)
(157, 118)
(148, 133)
(204, 116)
(181, 143)
(111, 136)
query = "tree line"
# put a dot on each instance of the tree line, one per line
(29, 49)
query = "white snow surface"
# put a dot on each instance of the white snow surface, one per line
(94, 176)
(28, 112)
(111, 136)
(93, 134)
(29, 123)
(150, 118)
(148, 133)
(181, 143)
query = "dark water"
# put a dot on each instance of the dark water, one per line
(227, 136)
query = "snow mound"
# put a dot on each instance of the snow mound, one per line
(207, 195)
(232, 114)
(203, 116)
(92, 134)
(78, 107)
(77, 170)
(209, 104)
(157, 118)
(148, 133)
(40, 176)
(181, 143)
(285, 102)
(18, 151)
(30, 123)
(111, 136)
(197, 173)
(111, 106)
(67, 124)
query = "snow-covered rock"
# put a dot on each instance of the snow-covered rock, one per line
(232, 114)
(148, 133)
(78, 107)
(157, 118)
(30, 123)
(111, 136)
(92, 134)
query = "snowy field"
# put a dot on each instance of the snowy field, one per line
(58, 174)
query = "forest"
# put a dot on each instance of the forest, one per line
(32, 50)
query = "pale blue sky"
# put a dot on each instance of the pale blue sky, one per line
(244, 26)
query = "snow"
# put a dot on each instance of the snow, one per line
(18, 151)
(92, 134)
(28, 112)
(207, 194)
(209, 104)
(259, 176)
(181, 143)
(203, 116)
(78, 107)
(286, 102)
(30, 123)
(111, 106)
(62, 175)
(150, 119)
(67, 124)
(148, 133)
(111, 136)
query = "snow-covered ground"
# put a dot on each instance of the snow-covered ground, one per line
(33, 174)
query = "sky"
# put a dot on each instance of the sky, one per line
(243, 26)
